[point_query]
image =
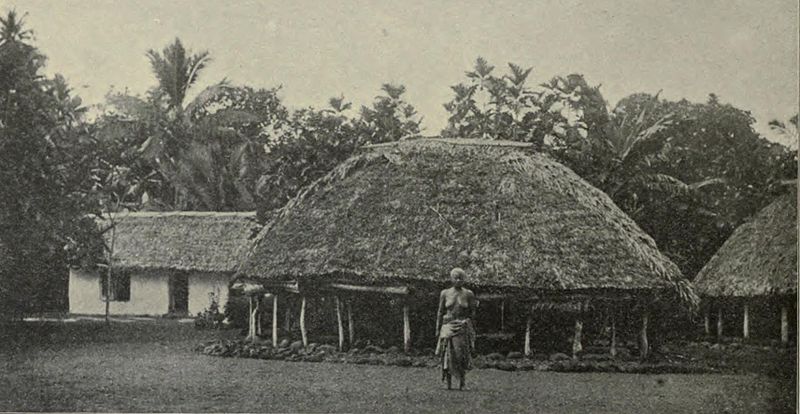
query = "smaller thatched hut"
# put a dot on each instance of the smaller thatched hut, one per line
(757, 266)
(164, 263)
(394, 218)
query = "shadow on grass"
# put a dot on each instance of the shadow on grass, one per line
(18, 336)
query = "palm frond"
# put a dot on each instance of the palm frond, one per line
(152, 148)
(231, 118)
(131, 106)
(12, 28)
(206, 96)
(706, 183)
(196, 64)
(658, 183)
(175, 71)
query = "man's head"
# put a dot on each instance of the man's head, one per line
(457, 277)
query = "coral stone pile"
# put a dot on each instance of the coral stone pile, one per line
(369, 354)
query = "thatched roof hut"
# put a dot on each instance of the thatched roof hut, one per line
(396, 217)
(760, 258)
(164, 263)
(182, 240)
(756, 267)
(410, 211)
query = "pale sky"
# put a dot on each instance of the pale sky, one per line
(744, 51)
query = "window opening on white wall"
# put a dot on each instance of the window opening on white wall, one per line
(120, 287)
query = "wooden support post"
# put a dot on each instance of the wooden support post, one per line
(613, 346)
(746, 322)
(351, 330)
(303, 333)
(528, 337)
(252, 328)
(502, 315)
(644, 347)
(391, 290)
(340, 323)
(251, 323)
(275, 321)
(406, 329)
(259, 316)
(706, 322)
(576, 340)
(719, 322)
(784, 324)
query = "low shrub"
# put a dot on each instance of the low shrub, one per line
(211, 318)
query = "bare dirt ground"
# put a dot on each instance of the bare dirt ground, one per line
(150, 366)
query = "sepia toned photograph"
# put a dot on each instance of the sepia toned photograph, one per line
(399, 206)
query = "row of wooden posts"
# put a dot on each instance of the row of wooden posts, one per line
(745, 322)
(255, 325)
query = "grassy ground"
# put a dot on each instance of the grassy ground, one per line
(151, 367)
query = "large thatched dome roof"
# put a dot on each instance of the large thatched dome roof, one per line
(413, 210)
(760, 258)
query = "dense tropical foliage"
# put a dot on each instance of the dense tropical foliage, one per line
(688, 173)
(316, 140)
(45, 156)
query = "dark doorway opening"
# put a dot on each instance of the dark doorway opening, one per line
(179, 294)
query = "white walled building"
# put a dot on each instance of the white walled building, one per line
(165, 263)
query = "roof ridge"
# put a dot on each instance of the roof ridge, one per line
(145, 214)
(454, 141)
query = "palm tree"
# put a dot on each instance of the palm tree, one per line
(626, 152)
(176, 72)
(626, 138)
(12, 30)
(201, 153)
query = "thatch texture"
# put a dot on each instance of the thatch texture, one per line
(760, 258)
(410, 211)
(192, 241)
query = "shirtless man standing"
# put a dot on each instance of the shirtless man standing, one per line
(456, 334)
